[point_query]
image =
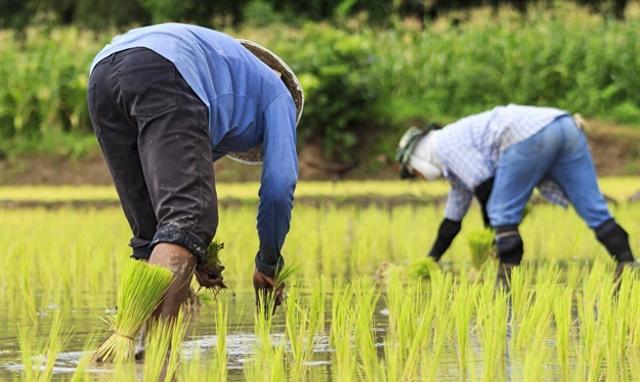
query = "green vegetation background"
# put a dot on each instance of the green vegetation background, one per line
(366, 76)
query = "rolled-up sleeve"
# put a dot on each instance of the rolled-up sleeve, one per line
(279, 178)
(458, 202)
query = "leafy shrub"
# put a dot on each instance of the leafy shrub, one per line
(370, 82)
(44, 79)
(333, 67)
(565, 58)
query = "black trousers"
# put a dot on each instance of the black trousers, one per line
(153, 132)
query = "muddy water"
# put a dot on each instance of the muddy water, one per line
(241, 343)
(200, 338)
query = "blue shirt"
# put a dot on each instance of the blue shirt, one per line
(248, 105)
(468, 150)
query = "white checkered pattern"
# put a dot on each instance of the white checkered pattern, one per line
(468, 150)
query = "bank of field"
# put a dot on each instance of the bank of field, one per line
(619, 189)
(355, 309)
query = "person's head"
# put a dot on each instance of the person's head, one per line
(416, 154)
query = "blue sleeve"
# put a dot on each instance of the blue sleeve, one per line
(279, 178)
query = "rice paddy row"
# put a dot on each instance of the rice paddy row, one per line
(354, 311)
(618, 188)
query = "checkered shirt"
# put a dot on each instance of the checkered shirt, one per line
(469, 150)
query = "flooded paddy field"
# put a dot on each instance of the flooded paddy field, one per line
(356, 309)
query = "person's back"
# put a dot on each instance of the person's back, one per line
(166, 101)
(499, 157)
(235, 86)
(499, 128)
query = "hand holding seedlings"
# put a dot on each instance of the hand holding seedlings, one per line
(142, 288)
(269, 291)
(209, 273)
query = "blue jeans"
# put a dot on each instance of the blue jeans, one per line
(558, 152)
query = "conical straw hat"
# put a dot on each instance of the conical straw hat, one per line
(254, 155)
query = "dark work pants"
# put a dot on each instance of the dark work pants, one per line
(153, 131)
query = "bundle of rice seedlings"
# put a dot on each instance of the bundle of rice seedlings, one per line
(423, 268)
(142, 288)
(209, 273)
(481, 245)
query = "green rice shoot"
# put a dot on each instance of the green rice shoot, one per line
(213, 253)
(423, 268)
(481, 246)
(285, 273)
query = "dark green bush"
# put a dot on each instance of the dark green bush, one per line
(368, 82)
(568, 59)
(334, 68)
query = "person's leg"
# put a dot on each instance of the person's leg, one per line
(176, 157)
(118, 136)
(520, 169)
(575, 173)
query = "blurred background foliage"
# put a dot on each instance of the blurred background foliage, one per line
(368, 67)
(101, 14)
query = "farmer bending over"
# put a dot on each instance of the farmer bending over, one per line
(499, 157)
(166, 101)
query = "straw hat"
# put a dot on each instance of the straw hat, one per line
(254, 155)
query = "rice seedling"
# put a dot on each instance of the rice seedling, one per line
(303, 323)
(419, 342)
(267, 363)
(481, 246)
(125, 371)
(366, 298)
(163, 341)
(209, 273)
(199, 368)
(618, 187)
(341, 334)
(562, 306)
(285, 274)
(463, 313)
(634, 311)
(218, 370)
(405, 318)
(423, 268)
(296, 327)
(38, 361)
(536, 318)
(562, 318)
(141, 290)
(634, 365)
(440, 302)
(534, 360)
(492, 327)
(82, 373)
